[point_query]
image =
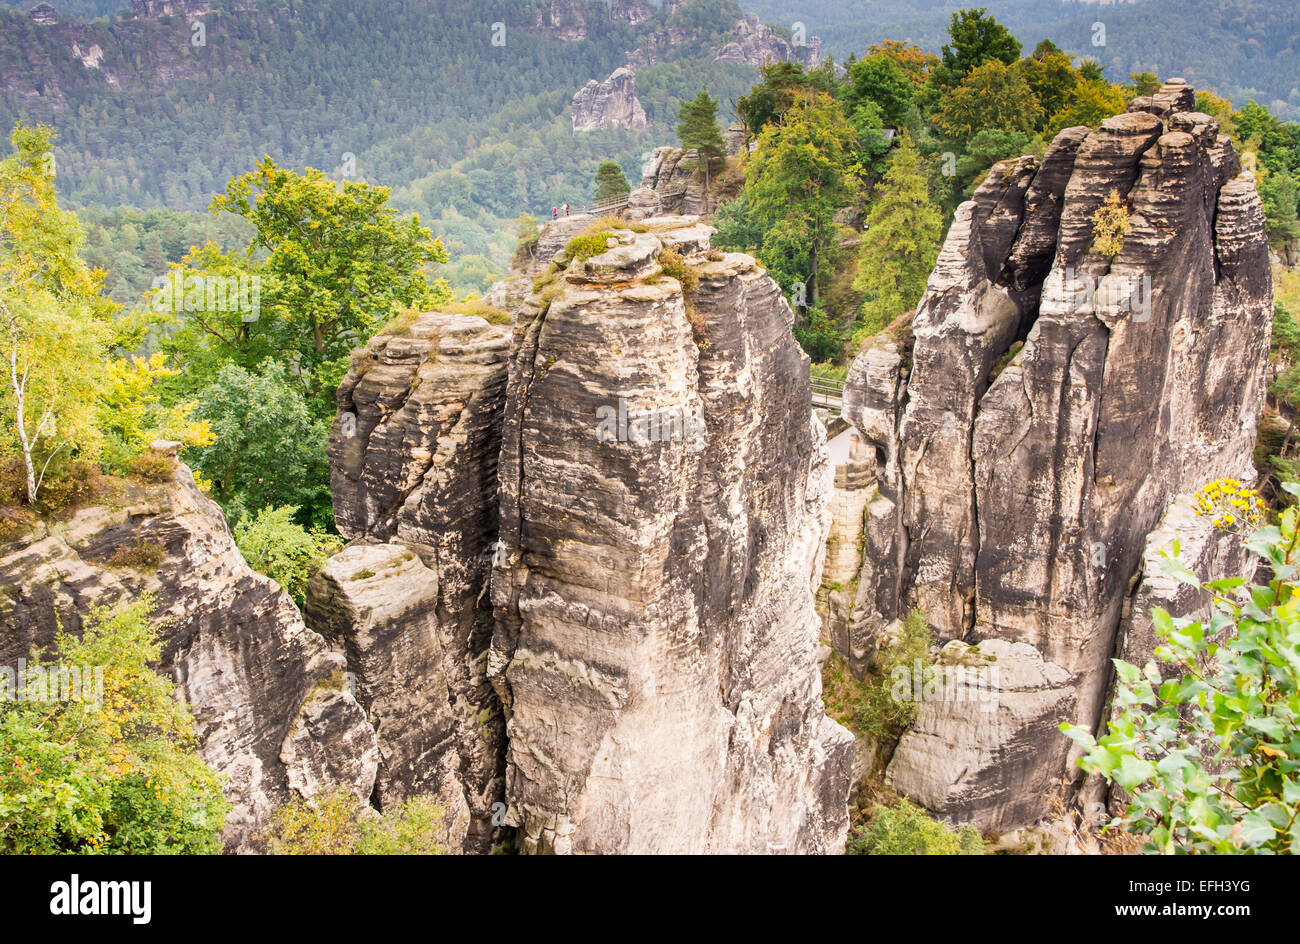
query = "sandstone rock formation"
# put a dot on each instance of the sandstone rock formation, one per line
(853, 490)
(154, 9)
(757, 44)
(379, 605)
(271, 703)
(44, 14)
(634, 12)
(1019, 484)
(663, 490)
(609, 104)
(671, 182)
(413, 461)
(565, 20)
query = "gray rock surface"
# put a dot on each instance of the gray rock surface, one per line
(609, 104)
(672, 182)
(757, 44)
(378, 603)
(656, 644)
(976, 751)
(413, 460)
(1028, 479)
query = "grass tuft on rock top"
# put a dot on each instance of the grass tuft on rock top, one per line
(584, 247)
(880, 707)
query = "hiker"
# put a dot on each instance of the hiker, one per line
(555, 212)
(566, 209)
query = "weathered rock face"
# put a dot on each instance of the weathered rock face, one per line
(1016, 505)
(271, 705)
(671, 182)
(663, 514)
(413, 460)
(609, 104)
(153, 9)
(756, 44)
(563, 19)
(44, 14)
(634, 12)
(751, 42)
(378, 603)
(978, 739)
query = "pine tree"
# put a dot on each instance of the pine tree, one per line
(901, 243)
(611, 185)
(697, 127)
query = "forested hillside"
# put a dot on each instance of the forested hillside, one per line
(855, 175)
(1241, 49)
(412, 94)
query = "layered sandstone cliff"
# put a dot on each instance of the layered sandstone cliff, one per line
(609, 104)
(672, 181)
(662, 520)
(757, 44)
(413, 461)
(1051, 407)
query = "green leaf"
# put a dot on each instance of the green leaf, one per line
(1133, 771)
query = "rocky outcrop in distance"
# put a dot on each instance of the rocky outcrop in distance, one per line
(609, 104)
(757, 44)
(155, 9)
(1048, 408)
(751, 42)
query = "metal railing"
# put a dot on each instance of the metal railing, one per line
(827, 393)
(827, 386)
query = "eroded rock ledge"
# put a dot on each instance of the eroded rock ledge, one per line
(273, 709)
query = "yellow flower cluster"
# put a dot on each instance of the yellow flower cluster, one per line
(1233, 505)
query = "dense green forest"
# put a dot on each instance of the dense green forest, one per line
(409, 93)
(1241, 49)
(405, 93)
(825, 169)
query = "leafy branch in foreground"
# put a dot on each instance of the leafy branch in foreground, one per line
(1211, 756)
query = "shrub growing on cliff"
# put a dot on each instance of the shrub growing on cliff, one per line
(586, 246)
(1110, 225)
(1210, 757)
(870, 706)
(108, 762)
(336, 823)
(526, 239)
(286, 552)
(906, 829)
